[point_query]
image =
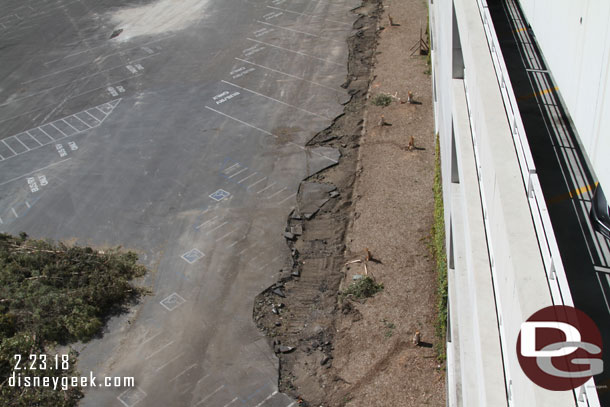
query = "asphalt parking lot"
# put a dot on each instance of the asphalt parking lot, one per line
(181, 138)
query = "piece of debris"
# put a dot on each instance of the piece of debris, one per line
(324, 360)
(411, 145)
(116, 33)
(275, 310)
(297, 230)
(289, 235)
(279, 292)
(284, 349)
(334, 194)
(392, 23)
(296, 273)
(357, 277)
(416, 338)
(382, 122)
(410, 97)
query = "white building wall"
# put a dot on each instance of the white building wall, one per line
(498, 277)
(575, 40)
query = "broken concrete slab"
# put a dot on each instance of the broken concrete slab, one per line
(312, 196)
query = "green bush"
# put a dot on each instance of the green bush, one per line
(54, 294)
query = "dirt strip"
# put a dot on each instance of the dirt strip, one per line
(376, 207)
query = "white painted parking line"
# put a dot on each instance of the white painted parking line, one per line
(168, 362)
(226, 171)
(266, 188)
(32, 172)
(9, 147)
(159, 350)
(35, 139)
(276, 100)
(59, 130)
(231, 402)
(311, 15)
(56, 72)
(287, 198)
(276, 193)
(109, 108)
(206, 222)
(257, 182)
(249, 176)
(287, 74)
(210, 395)
(235, 242)
(225, 235)
(268, 397)
(312, 152)
(238, 172)
(183, 372)
(299, 32)
(240, 121)
(21, 142)
(296, 52)
(150, 338)
(14, 212)
(217, 227)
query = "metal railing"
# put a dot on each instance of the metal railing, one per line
(549, 249)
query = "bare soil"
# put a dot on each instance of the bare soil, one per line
(376, 206)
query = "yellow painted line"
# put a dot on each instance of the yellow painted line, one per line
(572, 194)
(521, 29)
(542, 92)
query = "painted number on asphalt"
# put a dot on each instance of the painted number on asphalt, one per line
(60, 150)
(32, 184)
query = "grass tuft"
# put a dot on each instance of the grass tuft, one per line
(382, 100)
(438, 250)
(364, 288)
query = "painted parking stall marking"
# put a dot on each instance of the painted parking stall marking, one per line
(192, 256)
(46, 134)
(172, 301)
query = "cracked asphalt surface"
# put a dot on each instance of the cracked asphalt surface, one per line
(184, 143)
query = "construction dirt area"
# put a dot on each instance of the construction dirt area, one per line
(368, 218)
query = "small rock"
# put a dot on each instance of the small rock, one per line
(324, 360)
(308, 216)
(279, 292)
(296, 273)
(275, 310)
(285, 349)
(334, 194)
(116, 33)
(297, 230)
(278, 323)
(289, 235)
